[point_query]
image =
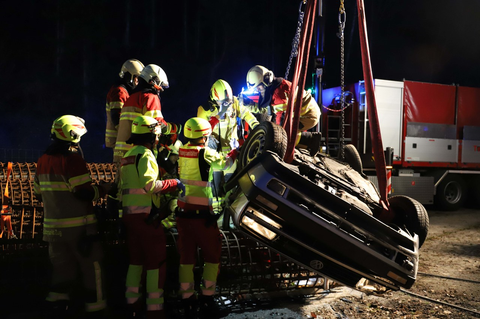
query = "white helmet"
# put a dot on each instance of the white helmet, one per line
(155, 75)
(132, 66)
(259, 75)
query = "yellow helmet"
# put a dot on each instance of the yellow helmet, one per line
(68, 128)
(144, 125)
(197, 127)
(132, 66)
(259, 75)
(221, 93)
(155, 75)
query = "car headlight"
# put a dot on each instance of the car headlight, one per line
(258, 228)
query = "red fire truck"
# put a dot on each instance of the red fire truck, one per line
(430, 134)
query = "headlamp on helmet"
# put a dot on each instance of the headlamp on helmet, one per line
(258, 75)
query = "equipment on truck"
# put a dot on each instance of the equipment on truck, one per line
(431, 134)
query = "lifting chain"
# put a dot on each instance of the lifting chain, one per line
(296, 38)
(342, 16)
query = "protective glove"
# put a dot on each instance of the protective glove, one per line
(181, 187)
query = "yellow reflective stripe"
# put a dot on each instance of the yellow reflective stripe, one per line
(95, 306)
(110, 133)
(114, 105)
(69, 222)
(154, 113)
(54, 186)
(128, 116)
(80, 180)
(56, 296)
(122, 146)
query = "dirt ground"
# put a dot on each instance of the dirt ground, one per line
(447, 286)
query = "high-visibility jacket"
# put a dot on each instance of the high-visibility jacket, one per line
(279, 101)
(57, 178)
(226, 129)
(140, 183)
(194, 166)
(116, 98)
(139, 103)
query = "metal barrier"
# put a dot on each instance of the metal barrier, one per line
(248, 269)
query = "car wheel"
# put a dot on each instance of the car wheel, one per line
(352, 158)
(265, 136)
(411, 215)
(450, 193)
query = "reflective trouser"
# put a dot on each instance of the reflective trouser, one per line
(193, 233)
(147, 251)
(67, 257)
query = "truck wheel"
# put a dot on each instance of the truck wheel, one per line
(410, 215)
(265, 136)
(352, 158)
(450, 193)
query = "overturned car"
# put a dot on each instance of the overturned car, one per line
(323, 213)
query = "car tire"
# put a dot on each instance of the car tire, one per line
(410, 215)
(451, 193)
(265, 136)
(352, 158)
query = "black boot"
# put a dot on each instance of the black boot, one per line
(311, 141)
(209, 308)
(315, 143)
(190, 307)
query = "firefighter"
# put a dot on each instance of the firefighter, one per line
(145, 100)
(227, 118)
(117, 95)
(274, 94)
(63, 183)
(141, 188)
(196, 222)
(168, 166)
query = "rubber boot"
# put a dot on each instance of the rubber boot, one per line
(315, 143)
(209, 308)
(190, 307)
(311, 141)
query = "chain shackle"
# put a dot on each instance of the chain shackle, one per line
(296, 38)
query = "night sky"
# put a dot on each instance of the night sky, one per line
(60, 57)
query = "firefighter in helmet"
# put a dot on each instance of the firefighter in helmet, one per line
(141, 189)
(230, 122)
(63, 183)
(196, 219)
(274, 95)
(117, 95)
(144, 100)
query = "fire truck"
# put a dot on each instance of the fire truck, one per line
(430, 135)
